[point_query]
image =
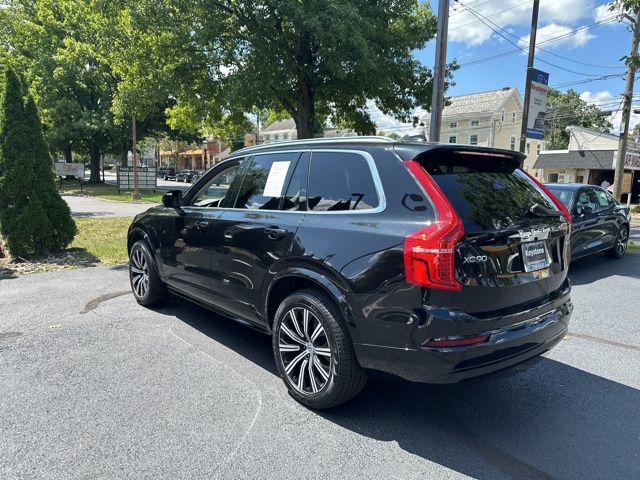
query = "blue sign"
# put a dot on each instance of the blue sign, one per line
(537, 104)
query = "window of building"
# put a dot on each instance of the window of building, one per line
(285, 136)
(473, 139)
(453, 124)
(513, 117)
(502, 116)
(474, 123)
(264, 181)
(579, 178)
(340, 181)
(552, 177)
(513, 142)
(538, 149)
(276, 136)
(267, 138)
(528, 148)
(452, 139)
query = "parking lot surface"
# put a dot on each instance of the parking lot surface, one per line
(94, 386)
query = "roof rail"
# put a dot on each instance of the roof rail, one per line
(353, 139)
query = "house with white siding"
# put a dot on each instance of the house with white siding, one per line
(490, 119)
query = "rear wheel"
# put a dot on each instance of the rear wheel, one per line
(620, 247)
(146, 285)
(313, 351)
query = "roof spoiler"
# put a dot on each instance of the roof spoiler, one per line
(412, 151)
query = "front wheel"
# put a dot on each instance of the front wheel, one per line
(146, 285)
(313, 351)
(620, 247)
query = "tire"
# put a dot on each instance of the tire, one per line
(323, 353)
(620, 248)
(146, 286)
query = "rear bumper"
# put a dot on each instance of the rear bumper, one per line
(513, 339)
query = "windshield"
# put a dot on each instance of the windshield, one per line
(564, 195)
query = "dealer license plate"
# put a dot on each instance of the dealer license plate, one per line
(534, 256)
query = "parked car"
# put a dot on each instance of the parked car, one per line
(600, 224)
(186, 176)
(167, 172)
(364, 256)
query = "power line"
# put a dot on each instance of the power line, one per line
(605, 21)
(493, 13)
(484, 20)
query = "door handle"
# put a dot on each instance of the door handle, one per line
(274, 232)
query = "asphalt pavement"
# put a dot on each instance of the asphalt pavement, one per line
(94, 386)
(82, 206)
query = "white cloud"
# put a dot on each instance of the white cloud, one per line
(604, 100)
(465, 27)
(604, 14)
(597, 97)
(562, 35)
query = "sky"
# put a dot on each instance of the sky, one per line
(578, 42)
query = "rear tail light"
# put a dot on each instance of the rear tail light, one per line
(429, 254)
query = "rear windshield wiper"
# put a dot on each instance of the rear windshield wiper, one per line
(541, 211)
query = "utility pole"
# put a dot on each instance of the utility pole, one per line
(527, 87)
(136, 194)
(626, 109)
(437, 102)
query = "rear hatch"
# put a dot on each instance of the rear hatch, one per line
(514, 250)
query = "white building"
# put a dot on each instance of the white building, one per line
(490, 119)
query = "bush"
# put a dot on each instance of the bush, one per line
(636, 209)
(34, 220)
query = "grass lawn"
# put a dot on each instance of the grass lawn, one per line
(104, 239)
(107, 191)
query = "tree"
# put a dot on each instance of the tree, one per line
(34, 220)
(568, 109)
(311, 59)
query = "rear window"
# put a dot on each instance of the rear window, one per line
(488, 193)
(562, 194)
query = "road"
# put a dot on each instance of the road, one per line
(82, 206)
(95, 386)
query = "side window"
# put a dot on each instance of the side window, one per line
(340, 181)
(220, 190)
(585, 199)
(263, 183)
(601, 197)
(296, 196)
(612, 201)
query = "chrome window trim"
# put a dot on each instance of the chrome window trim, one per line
(377, 182)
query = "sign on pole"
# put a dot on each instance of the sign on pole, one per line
(146, 178)
(69, 169)
(537, 104)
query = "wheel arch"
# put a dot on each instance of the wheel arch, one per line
(293, 279)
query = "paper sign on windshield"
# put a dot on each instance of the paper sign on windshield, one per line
(276, 178)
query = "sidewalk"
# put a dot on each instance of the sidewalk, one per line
(95, 207)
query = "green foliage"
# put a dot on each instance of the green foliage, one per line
(310, 59)
(34, 220)
(568, 109)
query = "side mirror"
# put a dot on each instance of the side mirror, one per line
(172, 199)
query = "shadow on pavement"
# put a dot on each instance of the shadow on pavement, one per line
(545, 421)
(590, 269)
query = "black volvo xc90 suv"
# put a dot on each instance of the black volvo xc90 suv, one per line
(432, 263)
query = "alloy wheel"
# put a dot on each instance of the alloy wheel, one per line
(139, 271)
(621, 242)
(305, 351)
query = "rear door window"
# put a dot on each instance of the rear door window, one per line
(488, 193)
(341, 181)
(264, 181)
